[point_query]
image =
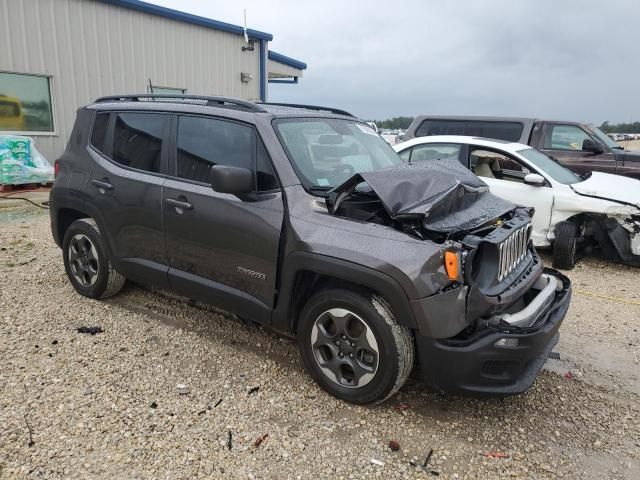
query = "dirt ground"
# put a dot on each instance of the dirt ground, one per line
(630, 145)
(74, 405)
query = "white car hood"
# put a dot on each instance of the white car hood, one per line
(610, 187)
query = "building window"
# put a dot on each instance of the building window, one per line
(167, 90)
(25, 103)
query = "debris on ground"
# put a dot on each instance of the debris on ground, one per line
(253, 390)
(402, 406)
(426, 460)
(55, 342)
(31, 442)
(568, 375)
(496, 455)
(554, 355)
(259, 440)
(90, 330)
(375, 461)
(394, 445)
(230, 440)
(217, 403)
(153, 405)
(182, 389)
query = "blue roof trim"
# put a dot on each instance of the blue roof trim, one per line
(188, 18)
(292, 62)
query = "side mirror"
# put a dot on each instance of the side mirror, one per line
(534, 179)
(589, 145)
(234, 180)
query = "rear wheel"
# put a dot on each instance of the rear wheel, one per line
(352, 346)
(564, 245)
(87, 263)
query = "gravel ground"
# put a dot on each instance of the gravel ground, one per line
(75, 405)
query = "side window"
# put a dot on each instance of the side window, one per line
(434, 151)
(265, 176)
(204, 142)
(490, 164)
(565, 137)
(99, 131)
(137, 140)
(476, 128)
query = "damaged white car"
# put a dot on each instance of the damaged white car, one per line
(573, 213)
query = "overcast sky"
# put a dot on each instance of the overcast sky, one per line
(576, 60)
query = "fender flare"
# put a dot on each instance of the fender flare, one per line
(339, 269)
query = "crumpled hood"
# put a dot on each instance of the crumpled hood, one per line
(610, 187)
(447, 196)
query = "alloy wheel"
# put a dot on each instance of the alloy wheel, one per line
(83, 260)
(345, 348)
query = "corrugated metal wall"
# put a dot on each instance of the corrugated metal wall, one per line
(92, 49)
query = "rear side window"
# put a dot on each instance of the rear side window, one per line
(510, 131)
(99, 131)
(205, 142)
(137, 140)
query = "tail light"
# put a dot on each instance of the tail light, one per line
(56, 168)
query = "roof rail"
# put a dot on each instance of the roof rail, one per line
(337, 111)
(210, 101)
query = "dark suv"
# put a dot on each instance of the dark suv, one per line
(303, 219)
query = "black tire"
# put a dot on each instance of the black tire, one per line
(564, 245)
(394, 344)
(83, 237)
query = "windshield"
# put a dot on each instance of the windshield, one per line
(325, 152)
(549, 166)
(604, 138)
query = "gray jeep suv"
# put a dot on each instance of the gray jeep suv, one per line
(304, 220)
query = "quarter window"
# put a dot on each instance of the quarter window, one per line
(25, 103)
(265, 176)
(99, 131)
(205, 142)
(565, 137)
(137, 140)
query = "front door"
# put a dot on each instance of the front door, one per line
(125, 189)
(505, 176)
(564, 143)
(222, 249)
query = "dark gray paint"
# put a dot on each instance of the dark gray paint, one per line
(243, 253)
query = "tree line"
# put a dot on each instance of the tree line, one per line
(620, 127)
(394, 123)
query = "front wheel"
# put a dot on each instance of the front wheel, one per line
(352, 346)
(564, 245)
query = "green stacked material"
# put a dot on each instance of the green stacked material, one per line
(21, 163)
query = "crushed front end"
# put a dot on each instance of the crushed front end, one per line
(488, 329)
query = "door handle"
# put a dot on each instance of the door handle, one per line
(178, 204)
(102, 184)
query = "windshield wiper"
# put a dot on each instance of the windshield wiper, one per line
(319, 189)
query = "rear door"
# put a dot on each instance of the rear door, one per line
(564, 142)
(124, 192)
(222, 248)
(505, 176)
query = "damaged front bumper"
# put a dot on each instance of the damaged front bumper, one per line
(505, 355)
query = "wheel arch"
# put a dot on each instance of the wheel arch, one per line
(304, 273)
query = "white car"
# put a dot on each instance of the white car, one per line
(598, 210)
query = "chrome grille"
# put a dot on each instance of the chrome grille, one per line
(512, 250)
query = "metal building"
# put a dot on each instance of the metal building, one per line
(57, 55)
